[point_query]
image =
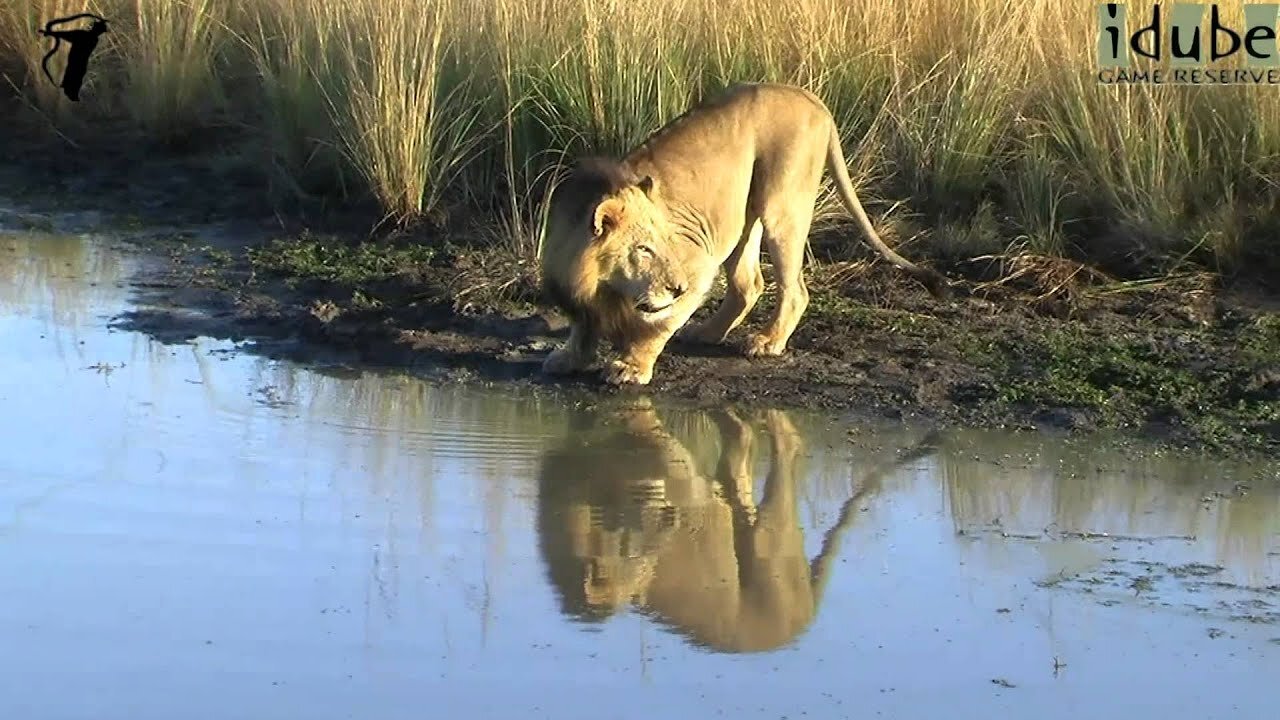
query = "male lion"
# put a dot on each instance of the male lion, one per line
(633, 246)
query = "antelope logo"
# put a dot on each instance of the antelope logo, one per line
(82, 43)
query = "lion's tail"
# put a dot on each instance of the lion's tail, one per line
(931, 279)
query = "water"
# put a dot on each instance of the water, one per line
(192, 531)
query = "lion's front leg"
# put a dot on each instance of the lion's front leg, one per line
(735, 467)
(578, 353)
(635, 366)
(745, 286)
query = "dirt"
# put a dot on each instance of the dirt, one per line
(1187, 361)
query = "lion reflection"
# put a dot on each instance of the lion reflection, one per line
(626, 517)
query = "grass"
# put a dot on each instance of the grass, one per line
(980, 122)
(312, 258)
(171, 85)
(1124, 379)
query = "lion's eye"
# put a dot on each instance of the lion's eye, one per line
(645, 250)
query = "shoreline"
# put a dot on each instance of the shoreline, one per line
(1182, 363)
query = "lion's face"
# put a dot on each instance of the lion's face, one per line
(637, 257)
(647, 278)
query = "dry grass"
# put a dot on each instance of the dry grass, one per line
(982, 118)
(170, 81)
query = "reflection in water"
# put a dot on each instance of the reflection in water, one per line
(60, 279)
(1030, 488)
(626, 515)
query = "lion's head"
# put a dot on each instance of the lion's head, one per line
(634, 253)
(611, 248)
(604, 514)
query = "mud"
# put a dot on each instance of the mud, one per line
(877, 349)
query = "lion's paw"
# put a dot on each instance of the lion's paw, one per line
(760, 345)
(560, 362)
(623, 373)
(699, 333)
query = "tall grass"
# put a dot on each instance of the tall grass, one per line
(411, 120)
(294, 48)
(979, 121)
(170, 80)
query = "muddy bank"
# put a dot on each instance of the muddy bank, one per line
(1047, 347)
(1185, 365)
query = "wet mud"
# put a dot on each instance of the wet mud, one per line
(1180, 371)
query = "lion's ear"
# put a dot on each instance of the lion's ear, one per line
(607, 217)
(646, 185)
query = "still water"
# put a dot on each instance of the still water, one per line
(191, 531)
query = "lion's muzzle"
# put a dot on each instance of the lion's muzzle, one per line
(651, 305)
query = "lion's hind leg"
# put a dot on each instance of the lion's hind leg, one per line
(786, 232)
(745, 286)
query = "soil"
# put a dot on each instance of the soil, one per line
(1041, 346)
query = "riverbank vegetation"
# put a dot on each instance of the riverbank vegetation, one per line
(977, 129)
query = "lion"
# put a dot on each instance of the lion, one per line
(633, 247)
(626, 517)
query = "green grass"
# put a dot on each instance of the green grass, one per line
(309, 258)
(1125, 380)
